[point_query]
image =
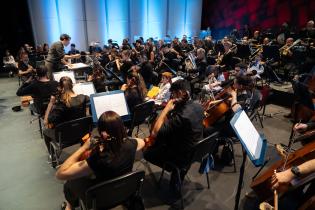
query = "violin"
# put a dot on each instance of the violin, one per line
(262, 184)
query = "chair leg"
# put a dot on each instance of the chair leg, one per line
(231, 144)
(208, 182)
(180, 187)
(40, 127)
(260, 120)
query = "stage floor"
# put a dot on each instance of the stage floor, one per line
(28, 182)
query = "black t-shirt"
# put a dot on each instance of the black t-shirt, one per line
(133, 98)
(61, 113)
(125, 68)
(40, 91)
(107, 166)
(182, 130)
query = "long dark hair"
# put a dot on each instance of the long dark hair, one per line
(136, 80)
(66, 89)
(111, 122)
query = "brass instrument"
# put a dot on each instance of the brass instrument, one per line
(284, 50)
(259, 49)
(190, 63)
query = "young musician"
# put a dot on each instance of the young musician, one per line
(25, 69)
(57, 58)
(112, 155)
(9, 63)
(176, 130)
(40, 89)
(295, 199)
(165, 85)
(98, 79)
(135, 91)
(66, 106)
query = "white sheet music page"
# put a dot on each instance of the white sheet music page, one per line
(74, 66)
(111, 102)
(84, 88)
(249, 135)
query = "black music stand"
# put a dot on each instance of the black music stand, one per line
(271, 52)
(243, 51)
(253, 145)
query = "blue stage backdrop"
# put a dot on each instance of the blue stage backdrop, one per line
(89, 21)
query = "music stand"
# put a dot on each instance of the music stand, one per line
(109, 101)
(253, 145)
(271, 52)
(243, 51)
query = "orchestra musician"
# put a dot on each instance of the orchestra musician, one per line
(164, 91)
(57, 59)
(25, 70)
(287, 58)
(281, 180)
(65, 106)
(112, 155)
(178, 126)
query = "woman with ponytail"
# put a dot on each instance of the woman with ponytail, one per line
(64, 107)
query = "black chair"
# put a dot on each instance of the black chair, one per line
(142, 112)
(254, 113)
(202, 150)
(38, 109)
(68, 134)
(125, 189)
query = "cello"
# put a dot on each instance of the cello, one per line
(217, 108)
(262, 184)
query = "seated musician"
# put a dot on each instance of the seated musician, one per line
(24, 68)
(124, 64)
(287, 57)
(178, 126)
(9, 63)
(135, 91)
(164, 92)
(64, 107)
(295, 199)
(40, 89)
(247, 95)
(256, 68)
(112, 155)
(214, 82)
(98, 79)
(239, 70)
(73, 51)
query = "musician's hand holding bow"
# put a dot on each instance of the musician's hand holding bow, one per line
(281, 180)
(300, 127)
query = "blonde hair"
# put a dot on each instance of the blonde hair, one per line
(66, 88)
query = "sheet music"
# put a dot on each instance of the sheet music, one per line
(58, 75)
(74, 66)
(84, 88)
(249, 135)
(110, 102)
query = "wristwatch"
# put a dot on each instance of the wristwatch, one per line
(296, 171)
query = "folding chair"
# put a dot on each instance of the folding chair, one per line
(140, 115)
(125, 189)
(68, 134)
(201, 151)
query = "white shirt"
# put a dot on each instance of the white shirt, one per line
(164, 93)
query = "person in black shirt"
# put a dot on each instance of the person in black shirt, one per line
(25, 69)
(98, 79)
(176, 130)
(64, 107)
(40, 89)
(111, 156)
(73, 51)
(135, 91)
(56, 58)
(125, 65)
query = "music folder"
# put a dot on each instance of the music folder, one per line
(109, 101)
(254, 143)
